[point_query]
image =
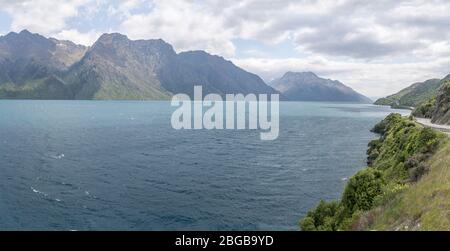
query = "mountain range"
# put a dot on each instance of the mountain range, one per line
(307, 86)
(115, 67)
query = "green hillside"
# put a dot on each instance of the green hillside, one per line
(421, 206)
(44, 88)
(413, 95)
(405, 186)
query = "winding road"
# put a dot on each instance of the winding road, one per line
(427, 123)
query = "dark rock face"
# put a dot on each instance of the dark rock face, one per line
(307, 86)
(441, 113)
(214, 73)
(31, 66)
(118, 68)
(114, 68)
(436, 107)
(27, 48)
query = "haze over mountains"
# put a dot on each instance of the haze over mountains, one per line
(115, 67)
(307, 86)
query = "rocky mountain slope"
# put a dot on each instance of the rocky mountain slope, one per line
(114, 67)
(437, 108)
(307, 86)
(32, 66)
(441, 113)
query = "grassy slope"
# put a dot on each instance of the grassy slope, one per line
(424, 205)
(406, 185)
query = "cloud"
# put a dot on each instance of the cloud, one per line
(185, 24)
(347, 28)
(77, 37)
(41, 16)
(373, 79)
(382, 44)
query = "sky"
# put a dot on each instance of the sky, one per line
(376, 47)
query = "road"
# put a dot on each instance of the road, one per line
(427, 123)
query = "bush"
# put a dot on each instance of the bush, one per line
(373, 151)
(428, 140)
(426, 109)
(398, 156)
(322, 218)
(307, 224)
(389, 193)
(383, 126)
(361, 190)
(417, 172)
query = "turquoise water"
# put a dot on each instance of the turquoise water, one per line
(106, 165)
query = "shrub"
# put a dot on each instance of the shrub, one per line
(417, 172)
(383, 126)
(361, 190)
(425, 109)
(428, 140)
(398, 156)
(322, 218)
(417, 166)
(373, 151)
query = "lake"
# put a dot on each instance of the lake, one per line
(119, 165)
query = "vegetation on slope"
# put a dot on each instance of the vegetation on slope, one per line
(436, 108)
(413, 95)
(396, 163)
(426, 109)
(424, 205)
(441, 114)
(44, 88)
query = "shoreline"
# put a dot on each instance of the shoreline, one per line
(404, 159)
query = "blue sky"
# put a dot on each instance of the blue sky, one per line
(376, 47)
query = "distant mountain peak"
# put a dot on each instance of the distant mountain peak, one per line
(119, 40)
(202, 55)
(20, 33)
(300, 74)
(307, 86)
(31, 54)
(25, 32)
(114, 35)
(111, 38)
(114, 67)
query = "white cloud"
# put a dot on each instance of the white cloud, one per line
(373, 79)
(41, 16)
(77, 37)
(124, 8)
(375, 46)
(185, 24)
